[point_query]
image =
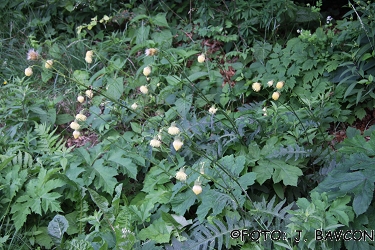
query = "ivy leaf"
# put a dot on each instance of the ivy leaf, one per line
(104, 176)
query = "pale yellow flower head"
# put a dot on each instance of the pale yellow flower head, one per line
(256, 86)
(197, 188)
(143, 89)
(74, 125)
(280, 84)
(201, 58)
(76, 134)
(80, 99)
(177, 144)
(173, 130)
(155, 143)
(181, 175)
(275, 96)
(89, 93)
(28, 71)
(81, 117)
(147, 71)
(151, 52)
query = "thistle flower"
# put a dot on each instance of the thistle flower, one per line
(89, 93)
(76, 134)
(275, 96)
(155, 143)
(143, 89)
(32, 55)
(173, 130)
(80, 99)
(48, 64)
(256, 86)
(279, 85)
(81, 117)
(177, 143)
(197, 188)
(270, 83)
(74, 125)
(212, 110)
(134, 106)
(28, 71)
(147, 71)
(151, 52)
(181, 175)
(201, 58)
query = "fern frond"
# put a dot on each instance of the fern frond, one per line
(290, 151)
(270, 215)
(48, 142)
(211, 235)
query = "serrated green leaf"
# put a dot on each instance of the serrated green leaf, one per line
(115, 88)
(157, 231)
(160, 20)
(105, 176)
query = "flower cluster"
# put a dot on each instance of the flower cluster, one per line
(275, 95)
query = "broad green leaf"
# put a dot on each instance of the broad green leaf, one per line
(82, 77)
(104, 176)
(197, 75)
(183, 201)
(102, 204)
(234, 164)
(158, 231)
(159, 20)
(57, 227)
(183, 105)
(115, 88)
(247, 180)
(128, 167)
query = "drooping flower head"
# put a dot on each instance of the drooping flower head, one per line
(275, 96)
(177, 144)
(280, 84)
(212, 110)
(201, 58)
(181, 175)
(173, 130)
(197, 188)
(155, 143)
(146, 71)
(256, 86)
(151, 52)
(28, 71)
(143, 89)
(48, 64)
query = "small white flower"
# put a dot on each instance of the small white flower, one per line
(212, 110)
(143, 89)
(134, 106)
(270, 83)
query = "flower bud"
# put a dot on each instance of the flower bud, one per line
(48, 64)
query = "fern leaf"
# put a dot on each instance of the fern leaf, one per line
(289, 152)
